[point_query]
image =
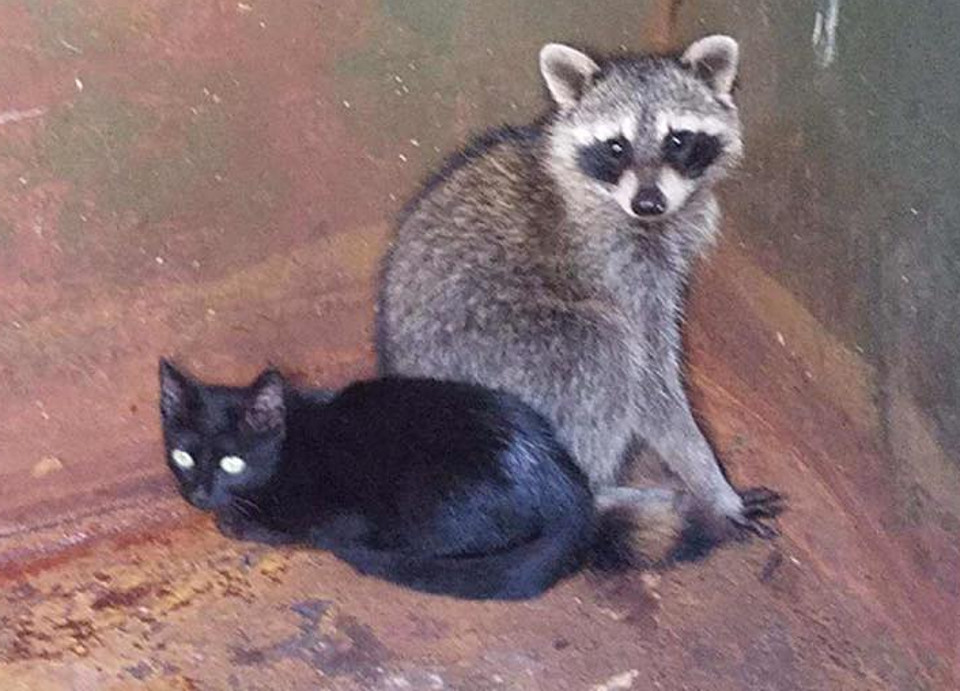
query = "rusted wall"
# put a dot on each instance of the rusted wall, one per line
(215, 180)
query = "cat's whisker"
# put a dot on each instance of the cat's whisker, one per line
(247, 507)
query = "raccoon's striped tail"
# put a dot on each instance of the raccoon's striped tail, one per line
(660, 526)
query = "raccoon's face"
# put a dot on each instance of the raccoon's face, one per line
(643, 133)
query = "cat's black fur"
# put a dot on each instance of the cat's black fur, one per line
(440, 486)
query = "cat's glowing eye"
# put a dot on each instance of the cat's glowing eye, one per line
(182, 459)
(232, 464)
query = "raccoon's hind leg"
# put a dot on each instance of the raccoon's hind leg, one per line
(673, 433)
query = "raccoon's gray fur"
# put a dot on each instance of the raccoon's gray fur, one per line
(551, 261)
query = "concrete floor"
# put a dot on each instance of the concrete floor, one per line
(215, 181)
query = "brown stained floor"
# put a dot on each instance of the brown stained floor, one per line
(215, 181)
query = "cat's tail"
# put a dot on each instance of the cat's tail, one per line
(515, 573)
(631, 527)
(653, 527)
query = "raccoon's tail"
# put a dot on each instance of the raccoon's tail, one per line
(515, 573)
(653, 527)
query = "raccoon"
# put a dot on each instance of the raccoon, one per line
(551, 261)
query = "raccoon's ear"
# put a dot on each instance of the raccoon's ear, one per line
(568, 73)
(714, 59)
(177, 391)
(266, 409)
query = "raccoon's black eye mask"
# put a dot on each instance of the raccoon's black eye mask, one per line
(690, 153)
(605, 160)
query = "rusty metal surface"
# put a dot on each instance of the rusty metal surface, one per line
(215, 180)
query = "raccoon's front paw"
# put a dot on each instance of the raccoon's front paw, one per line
(759, 505)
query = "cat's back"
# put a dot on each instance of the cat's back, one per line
(456, 426)
(449, 412)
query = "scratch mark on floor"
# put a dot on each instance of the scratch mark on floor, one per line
(824, 36)
(9, 116)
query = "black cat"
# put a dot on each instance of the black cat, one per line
(443, 487)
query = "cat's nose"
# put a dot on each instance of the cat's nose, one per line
(200, 498)
(649, 201)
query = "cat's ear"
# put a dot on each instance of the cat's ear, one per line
(176, 391)
(567, 72)
(714, 59)
(266, 409)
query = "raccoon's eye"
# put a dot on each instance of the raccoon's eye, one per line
(232, 465)
(676, 141)
(691, 153)
(616, 146)
(605, 159)
(182, 459)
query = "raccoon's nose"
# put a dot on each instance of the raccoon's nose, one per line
(649, 201)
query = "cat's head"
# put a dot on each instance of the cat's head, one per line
(222, 442)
